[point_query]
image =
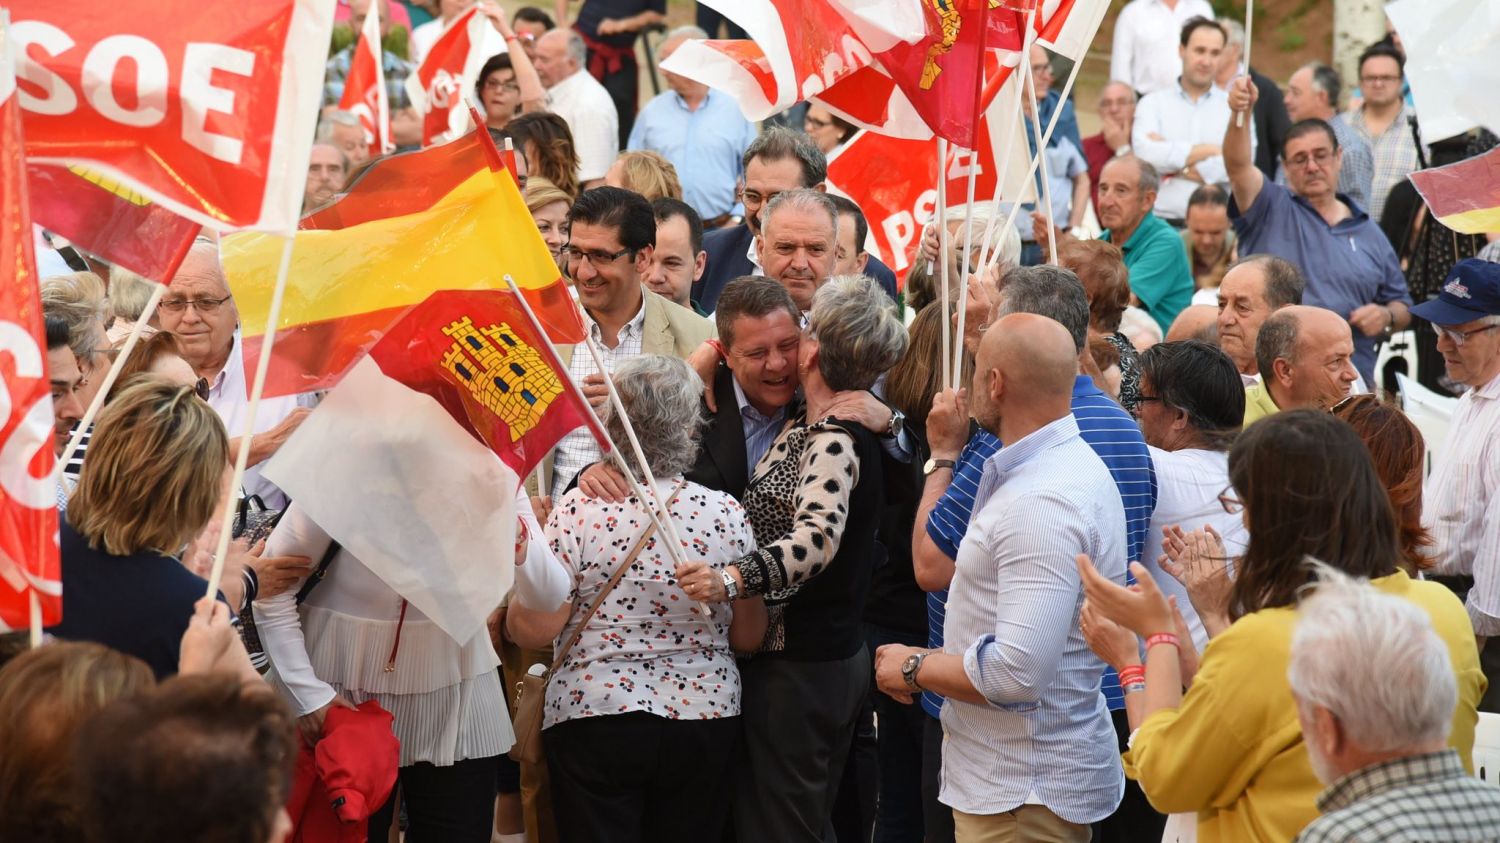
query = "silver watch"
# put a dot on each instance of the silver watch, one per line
(731, 586)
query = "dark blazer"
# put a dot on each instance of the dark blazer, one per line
(1271, 124)
(721, 455)
(727, 250)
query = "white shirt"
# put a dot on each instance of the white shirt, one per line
(1182, 123)
(1188, 485)
(1146, 40)
(1461, 504)
(424, 36)
(578, 450)
(228, 394)
(590, 113)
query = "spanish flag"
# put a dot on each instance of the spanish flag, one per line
(445, 218)
(1464, 196)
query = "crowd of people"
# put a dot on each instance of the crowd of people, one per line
(1164, 560)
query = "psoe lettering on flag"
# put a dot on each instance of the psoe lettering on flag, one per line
(447, 217)
(439, 423)
(450, 69)
(364, 87)
(29, 563)
(206, 108)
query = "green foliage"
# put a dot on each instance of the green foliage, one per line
(397, 40)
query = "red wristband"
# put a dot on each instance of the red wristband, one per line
(1131, 674)
(1162, 638)
(719, 347)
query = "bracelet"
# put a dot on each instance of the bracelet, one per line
(1134, 687)
(1162, 638)
(1131, 674)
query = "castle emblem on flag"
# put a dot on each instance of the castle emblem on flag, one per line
(502, 372)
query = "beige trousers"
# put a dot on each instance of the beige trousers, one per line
(1026, 824)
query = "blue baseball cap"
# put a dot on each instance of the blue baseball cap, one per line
(1471, 291)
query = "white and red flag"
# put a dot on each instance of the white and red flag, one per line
(364, 87)
(28, 495)
(206, 109)
(450, 69)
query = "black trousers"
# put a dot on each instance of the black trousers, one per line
(453, 804)
(799, 720)
(638, 777)
(938, 817)
(899, 749)
(1135, 821)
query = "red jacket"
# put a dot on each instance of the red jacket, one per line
(347, 777)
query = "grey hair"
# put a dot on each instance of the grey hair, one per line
(1325, 79)
(859, 335)
(1490, 320)
(801, 199)
(1129, 89)
(1006, 242)
(1050, 291)
(79, 299)
(663, 398)
(1150, 180)
(129, 293)
(335, 118)
(576, 48)
(1374, 661)
(1284, 282)
(1277, 340)
(779, 143)
(1234, 32)
(690, 32)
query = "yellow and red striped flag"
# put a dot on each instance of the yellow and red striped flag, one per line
(1464, 196)
(445, 218)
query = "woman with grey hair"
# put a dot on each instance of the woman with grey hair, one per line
(649, 688)
(814, 501)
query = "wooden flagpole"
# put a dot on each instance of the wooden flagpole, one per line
(242, 457)
(942, 219)
(109, 381)
(1041, 151)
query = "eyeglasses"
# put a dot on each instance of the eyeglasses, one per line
(596, 259)
(1380, 80)
(493, 84)
(754, 199)
(1231, 504)
(1461, 337)
(201, 388)
(1142, 399)
(1319, 156)
(204, 306)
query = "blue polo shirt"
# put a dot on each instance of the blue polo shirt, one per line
(1347, 265)
(706, 146)
(1113, 435)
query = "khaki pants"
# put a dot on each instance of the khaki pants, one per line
(1026, 824)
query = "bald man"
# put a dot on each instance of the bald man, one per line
(1306, 359)
(1196, 322)
(1029, 738)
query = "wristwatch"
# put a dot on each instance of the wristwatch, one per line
(1123, 150)
(731, 587)
(909, 670)
(897, 423)
(935, 464)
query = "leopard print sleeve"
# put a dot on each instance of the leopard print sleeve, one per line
(827, 473)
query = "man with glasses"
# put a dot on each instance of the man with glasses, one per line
(1461, 508)
(1347, 262)
(777, 161)
(609, 253)
(198, 310)
(1385, 121)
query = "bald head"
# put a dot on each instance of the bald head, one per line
(1024, 374)
(1196, 322)
(1306, 357)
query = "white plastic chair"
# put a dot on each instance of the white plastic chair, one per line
(1431, 412)
(1487, 747)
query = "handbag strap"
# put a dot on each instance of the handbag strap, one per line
(614, 580)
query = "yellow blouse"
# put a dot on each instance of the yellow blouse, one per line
(1232, 751)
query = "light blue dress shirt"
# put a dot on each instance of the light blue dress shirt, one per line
(706, 146)
(1044, 735)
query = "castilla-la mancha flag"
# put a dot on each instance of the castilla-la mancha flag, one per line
(436, 427)
(438, 86)
(364, 87)
(28, 493)
(206, 109)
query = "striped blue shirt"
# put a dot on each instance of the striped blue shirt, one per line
(1114, 436)
(1043, 733)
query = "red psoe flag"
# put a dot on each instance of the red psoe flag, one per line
(451, 68)
(364, 87)
(28, 499)
(207, 109)
(480, 355)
